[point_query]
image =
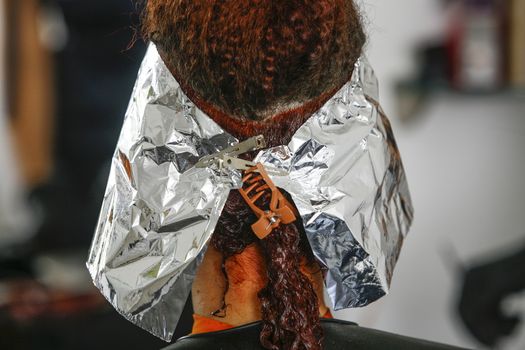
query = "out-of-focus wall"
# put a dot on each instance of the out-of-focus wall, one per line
(464, 160)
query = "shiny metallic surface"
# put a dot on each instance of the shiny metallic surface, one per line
(342, 169)
(345, 175)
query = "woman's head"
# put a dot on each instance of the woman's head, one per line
(251, 59)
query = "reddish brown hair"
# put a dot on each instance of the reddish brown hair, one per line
(240, 62)
(249, 58)
(289, 305)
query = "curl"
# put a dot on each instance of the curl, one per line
(250, 57)
(289, 305)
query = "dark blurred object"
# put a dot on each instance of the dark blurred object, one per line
(95, 72)
(482, 52)
(98, 328)
(477, 44)
(33, 316)
(485, 288)
(24, 300)
(431, 75)
(44, 301)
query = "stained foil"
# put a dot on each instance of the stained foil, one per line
(342, 169)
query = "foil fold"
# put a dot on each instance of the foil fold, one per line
(342, 169)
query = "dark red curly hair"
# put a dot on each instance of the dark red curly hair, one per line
(248, 58)
(262, 67)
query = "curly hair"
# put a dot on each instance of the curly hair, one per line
(249, 58)
(241, 61)
(290, 310)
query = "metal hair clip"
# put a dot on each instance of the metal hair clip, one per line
(226, 157)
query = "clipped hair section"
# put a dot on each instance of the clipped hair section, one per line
(250, 58)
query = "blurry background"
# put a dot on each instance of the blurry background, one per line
(452, 80)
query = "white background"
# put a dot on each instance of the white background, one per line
(465, 163)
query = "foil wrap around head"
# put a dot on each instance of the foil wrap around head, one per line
(342, 169)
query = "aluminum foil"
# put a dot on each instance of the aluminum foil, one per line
(342, 169)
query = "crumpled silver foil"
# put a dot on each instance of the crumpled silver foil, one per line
(342, 169)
